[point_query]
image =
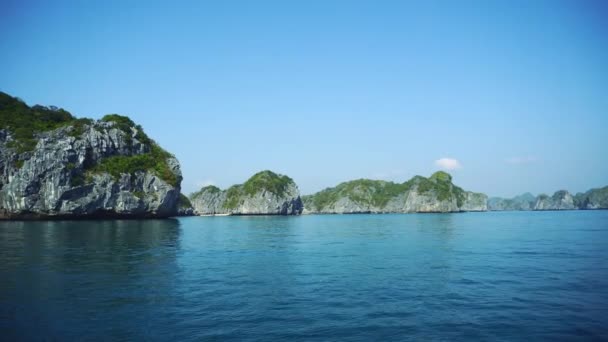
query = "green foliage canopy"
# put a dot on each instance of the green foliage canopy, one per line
(378, 193)
(26, 122)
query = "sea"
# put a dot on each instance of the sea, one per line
(489, 276)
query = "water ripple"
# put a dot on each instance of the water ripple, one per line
(485, 276)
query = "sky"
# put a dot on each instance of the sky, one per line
(507, 96)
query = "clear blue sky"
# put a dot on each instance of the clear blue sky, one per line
(328, 91)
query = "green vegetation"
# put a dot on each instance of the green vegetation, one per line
(125, 124)
(184, 201)
(234, 196)
(209, 188)
(78, 180)
(269, 181)
(441, 184)
(596, 198)
(25, 122)
(378, 193)
(441, 176)
(599, 196)
(79, 126)
(155, 160)
(262, 181)
(364, 191)
(121, 122)
(558, 195)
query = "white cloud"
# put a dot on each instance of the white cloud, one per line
(448, 163)
(521, 160)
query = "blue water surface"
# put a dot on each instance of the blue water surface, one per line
(474, 276)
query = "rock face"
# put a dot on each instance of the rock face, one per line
(475, 201)
(592, 199)
(81, 167)
(419, 194)
(209, 201)
(522, 202)
(561, 200)
(184, 206)
(265, 193)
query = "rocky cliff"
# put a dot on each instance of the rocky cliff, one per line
(209, 200)
(265, 193)
(475, 201)
(561, 200)
(592, 199)
(522, 202)
(54, 165)
(434, 194)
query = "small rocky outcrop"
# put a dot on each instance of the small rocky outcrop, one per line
(561, 200)
(53, 165)
(209, 200)
(184, 206)
(265, 193)
(434, 194)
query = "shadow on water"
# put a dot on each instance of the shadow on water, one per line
(47, 262)
(56, 242)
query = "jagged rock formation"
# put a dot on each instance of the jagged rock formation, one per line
(522, 202)
(209, 200)
(265, 193)
(561, 200)
(475, 201)
(592, 199)
(419, 194)
(54, 165)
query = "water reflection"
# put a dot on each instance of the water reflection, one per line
(340, 277)
(56, 242)
(46, 263)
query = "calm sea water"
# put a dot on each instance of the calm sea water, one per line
(491, 276)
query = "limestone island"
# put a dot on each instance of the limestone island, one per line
(436, 194)
(53, 165)
(560, 200)
(265, 193)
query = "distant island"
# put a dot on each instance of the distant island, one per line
(265, 193)
(269, 193)
(560, 200)
(53, 165)
(436, 194)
